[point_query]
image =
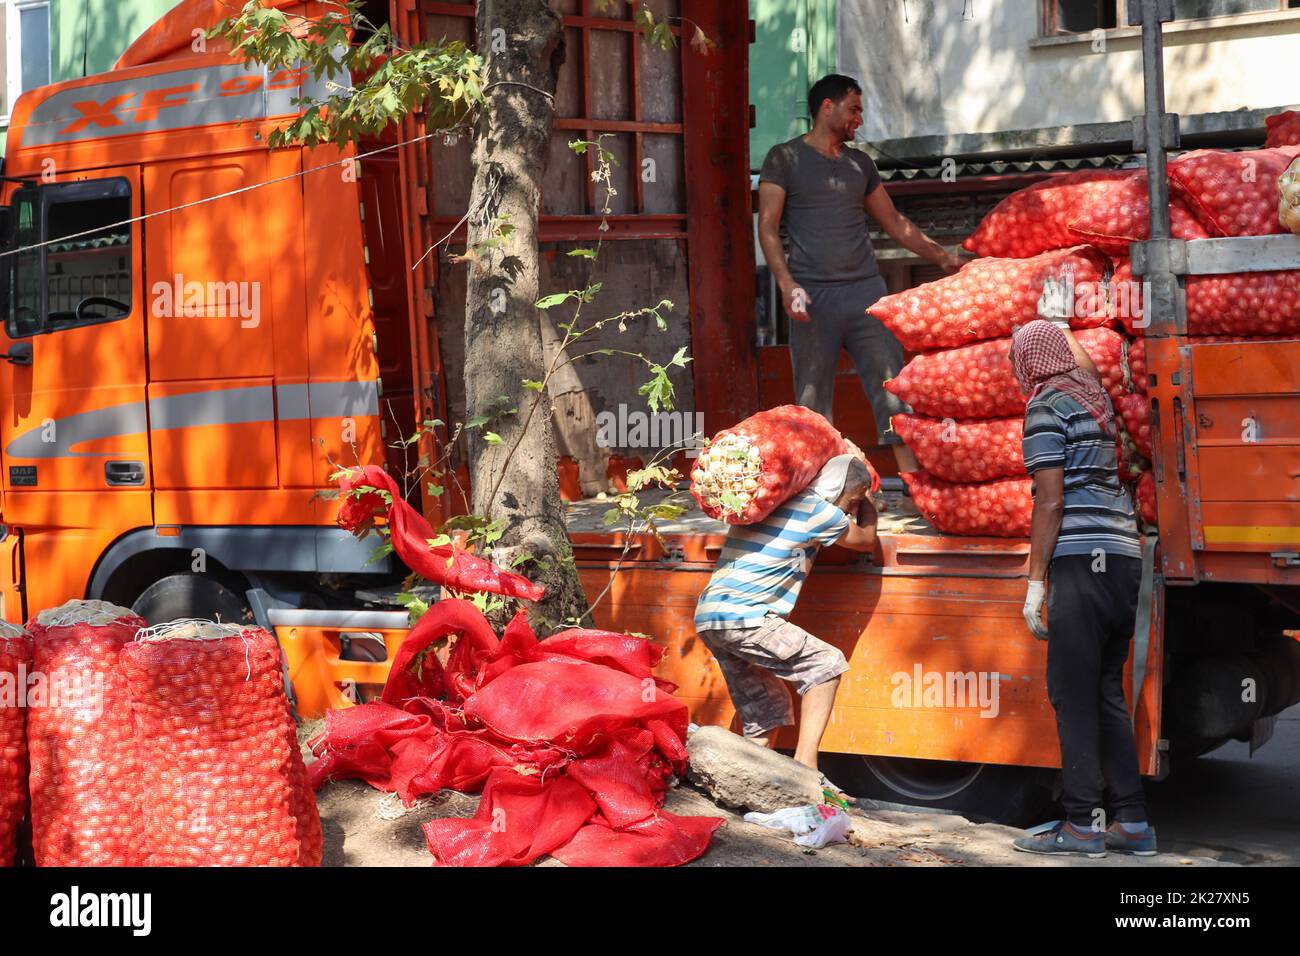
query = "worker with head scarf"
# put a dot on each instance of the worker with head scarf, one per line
(1083, 542)
(742, 614)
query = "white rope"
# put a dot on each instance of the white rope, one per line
(94, 613)
(225, 195)
(11, 630)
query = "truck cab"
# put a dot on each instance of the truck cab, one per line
(198, 330)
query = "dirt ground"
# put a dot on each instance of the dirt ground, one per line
(364, 827)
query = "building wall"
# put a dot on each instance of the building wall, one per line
(794, 44)
(88, 36)
(947, 66)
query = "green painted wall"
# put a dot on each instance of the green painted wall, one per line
(794, 45)
(87, 36)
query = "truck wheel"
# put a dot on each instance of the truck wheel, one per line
(192, 595)
(983, 792)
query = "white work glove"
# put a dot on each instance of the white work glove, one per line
(1033, 609)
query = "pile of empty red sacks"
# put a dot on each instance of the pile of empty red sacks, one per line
(165, 746)
(967, 420)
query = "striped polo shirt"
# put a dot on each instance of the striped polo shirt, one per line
(1061, 433)
(762, 565)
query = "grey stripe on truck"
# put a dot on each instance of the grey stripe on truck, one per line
(226, 406)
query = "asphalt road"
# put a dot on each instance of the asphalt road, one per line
(1233, 807)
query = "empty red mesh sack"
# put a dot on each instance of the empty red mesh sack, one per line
(223, 780)
(999, 508)
(15, 663)
(369, 492)
(964, 451)
(572, 739)
(1135, 412)
(1233, 194)
(1037, 218)
(745, 472)
(1145, 493)
(977, 381)
(85, 771)
(1121, 215)
(1283, 129)
(989, 297)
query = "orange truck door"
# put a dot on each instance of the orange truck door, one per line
(73, 419)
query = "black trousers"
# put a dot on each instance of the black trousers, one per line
(1090, 618)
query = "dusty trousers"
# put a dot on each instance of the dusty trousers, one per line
(839, 320)
(1090, 618)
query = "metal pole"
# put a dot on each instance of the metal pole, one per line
(1160, 260)
(1153, 120)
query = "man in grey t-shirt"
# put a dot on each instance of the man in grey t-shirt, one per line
(821, 193)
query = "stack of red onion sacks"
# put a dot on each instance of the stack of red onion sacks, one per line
(968, 409)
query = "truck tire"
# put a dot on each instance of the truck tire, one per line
(1015, 796)
(192, 595)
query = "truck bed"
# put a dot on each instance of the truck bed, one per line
(908, 543)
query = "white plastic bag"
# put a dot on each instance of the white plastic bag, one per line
(814, 826)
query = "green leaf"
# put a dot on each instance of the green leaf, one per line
(476, 421)
(585, 253)
(550, 301)
(532, 384)
(492, 438)
(434, 490)
(732, 503)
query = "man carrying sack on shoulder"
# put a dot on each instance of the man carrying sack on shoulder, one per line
(742, 613)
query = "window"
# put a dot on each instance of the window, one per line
(1084, 16)
(80, 274)
(27, 48)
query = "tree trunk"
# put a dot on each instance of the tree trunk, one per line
(515, 480)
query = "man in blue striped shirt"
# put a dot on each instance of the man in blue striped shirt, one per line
(741, 615)
(1084, 538)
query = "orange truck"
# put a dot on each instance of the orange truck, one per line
(196, 326)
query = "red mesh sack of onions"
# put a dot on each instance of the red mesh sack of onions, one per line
(977, 381)
(1145, 492)
(1283, 129)
(223, 780)
(999, 508)
(1245, 303)
(1135, 412)
(1233, 194)
(1240, 304)
(743, 473)
(989, 297)
(1037, 218)
(85, 771)
(1137, 364)
(15, 662)
(1121, 215)
(969, 382)
(964, 451)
